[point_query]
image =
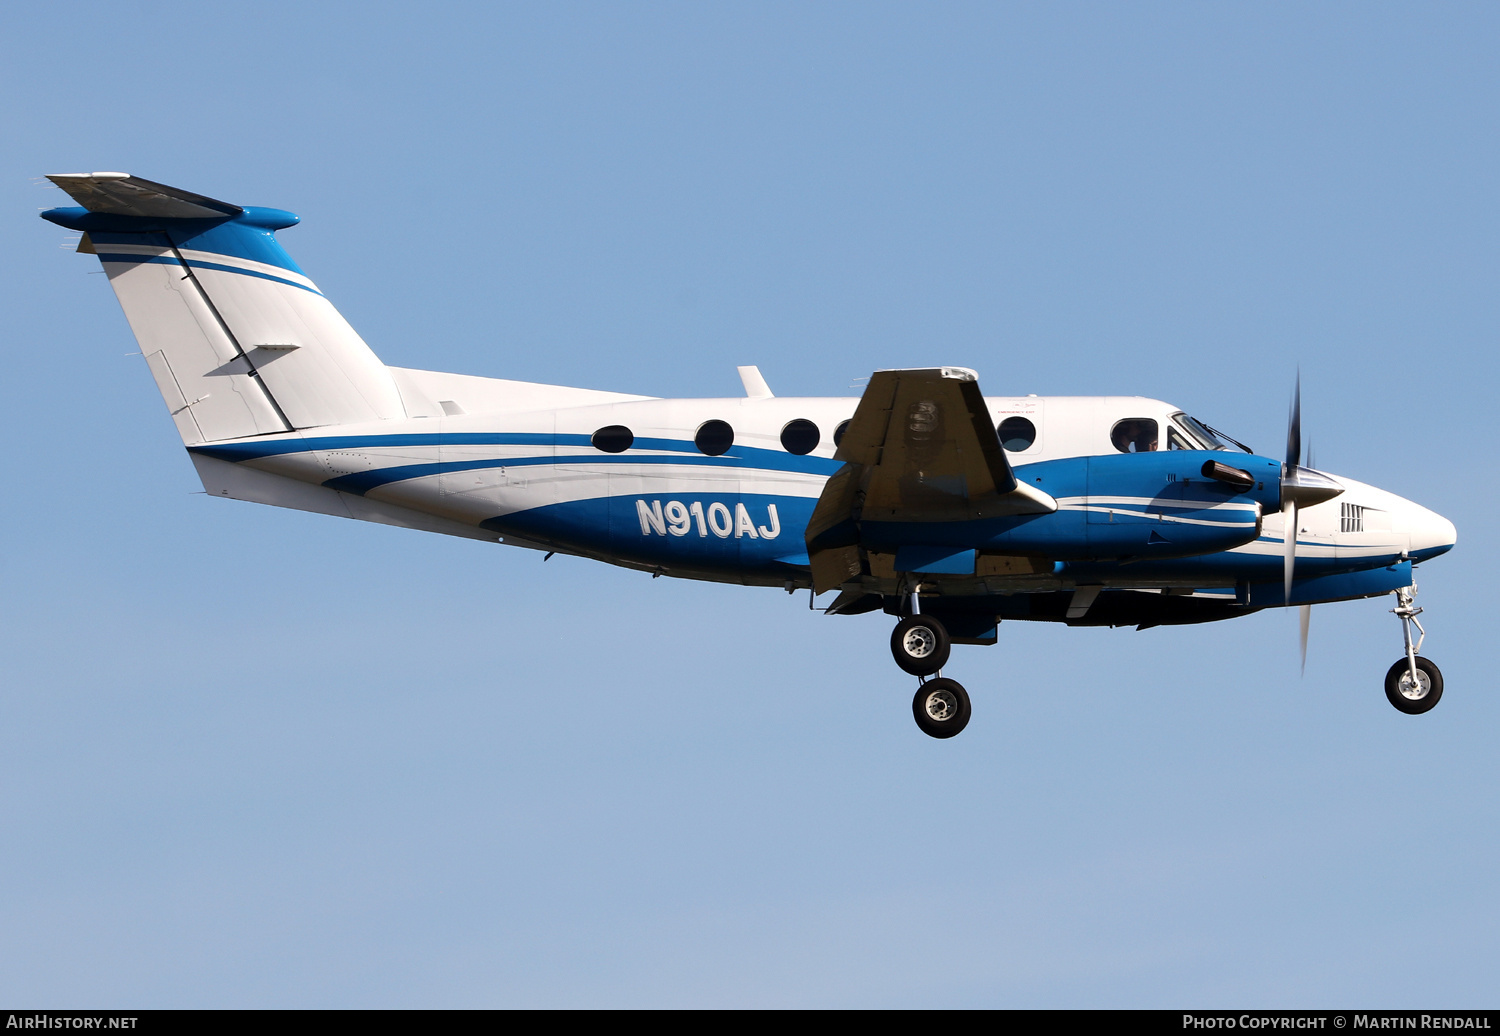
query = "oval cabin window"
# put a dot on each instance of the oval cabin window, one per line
(800, 437)
(613, 438)
(714, 438)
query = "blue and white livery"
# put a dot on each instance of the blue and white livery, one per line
(922, 499)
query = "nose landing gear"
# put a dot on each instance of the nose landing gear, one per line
(1413, 684)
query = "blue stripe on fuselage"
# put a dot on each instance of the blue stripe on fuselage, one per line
(254, 450)
(1223, 567)
(678, 452)
(363, 481)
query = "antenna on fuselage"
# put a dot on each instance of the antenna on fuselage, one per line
(755, 384)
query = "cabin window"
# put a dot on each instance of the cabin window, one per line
(1016, 434)
(613, 438)
(714, 438)
(838, 433)
(1134, 435)
(800, 437)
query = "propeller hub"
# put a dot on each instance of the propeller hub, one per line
(1307, 486)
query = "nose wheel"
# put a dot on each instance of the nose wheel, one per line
(1414, 696)
(1413, 684)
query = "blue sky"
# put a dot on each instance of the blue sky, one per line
(252, 757)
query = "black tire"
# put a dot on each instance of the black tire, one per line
(920, 645)
(941, 707)
(1398, 684)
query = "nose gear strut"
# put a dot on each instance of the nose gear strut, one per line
(1413, 684)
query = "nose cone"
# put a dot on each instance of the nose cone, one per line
(1431, 533)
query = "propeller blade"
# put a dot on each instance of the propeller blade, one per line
(1294, 429)
(1289, 554)
(1306, 617)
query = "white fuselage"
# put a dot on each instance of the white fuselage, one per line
(512, 461)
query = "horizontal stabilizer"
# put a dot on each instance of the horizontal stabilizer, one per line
(121, 194)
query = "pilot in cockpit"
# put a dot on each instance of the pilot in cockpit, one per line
(1134, 435)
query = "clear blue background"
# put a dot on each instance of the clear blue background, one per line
(252, 757)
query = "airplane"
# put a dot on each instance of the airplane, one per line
(945, 509)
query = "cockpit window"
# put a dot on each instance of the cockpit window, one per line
(1177, 441)
(1134, 435)
(1210, 438)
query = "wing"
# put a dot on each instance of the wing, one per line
(920, 448)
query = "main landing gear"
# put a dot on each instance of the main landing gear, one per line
(921, 646)
(1413, 684)
(941, 707)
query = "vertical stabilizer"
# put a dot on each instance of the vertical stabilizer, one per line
(240, 341)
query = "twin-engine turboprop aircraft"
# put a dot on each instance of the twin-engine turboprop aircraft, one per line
(923, 498)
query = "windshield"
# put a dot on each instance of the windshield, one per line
(1211, 438)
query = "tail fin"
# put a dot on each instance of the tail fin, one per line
(240, 341)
